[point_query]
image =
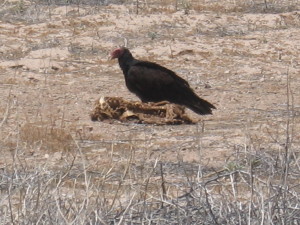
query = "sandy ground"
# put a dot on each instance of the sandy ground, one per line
(54, 66)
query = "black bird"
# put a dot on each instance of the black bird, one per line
(154, 83)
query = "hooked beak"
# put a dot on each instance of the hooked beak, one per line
(112, 56)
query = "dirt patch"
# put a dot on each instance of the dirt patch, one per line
(243, 58)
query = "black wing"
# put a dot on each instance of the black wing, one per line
(152, 82)
(162, 70)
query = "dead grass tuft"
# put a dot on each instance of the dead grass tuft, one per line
(45, 137)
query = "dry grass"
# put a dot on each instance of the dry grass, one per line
(239, 166)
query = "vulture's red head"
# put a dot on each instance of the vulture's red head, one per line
(117, 53)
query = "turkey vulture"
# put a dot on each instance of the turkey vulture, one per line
(154, 83)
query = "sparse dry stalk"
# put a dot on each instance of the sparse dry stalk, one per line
(163, 185)
(8, 105)
(115, 173)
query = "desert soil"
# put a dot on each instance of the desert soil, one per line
(54, 65)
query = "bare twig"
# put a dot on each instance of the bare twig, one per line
(163, 186)
(125, 211)
(210, 207)
(287, 146)
(137, 7)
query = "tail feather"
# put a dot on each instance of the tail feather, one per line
(200, 106)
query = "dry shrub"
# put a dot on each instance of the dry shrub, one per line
(41, 136)
(127, 181)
